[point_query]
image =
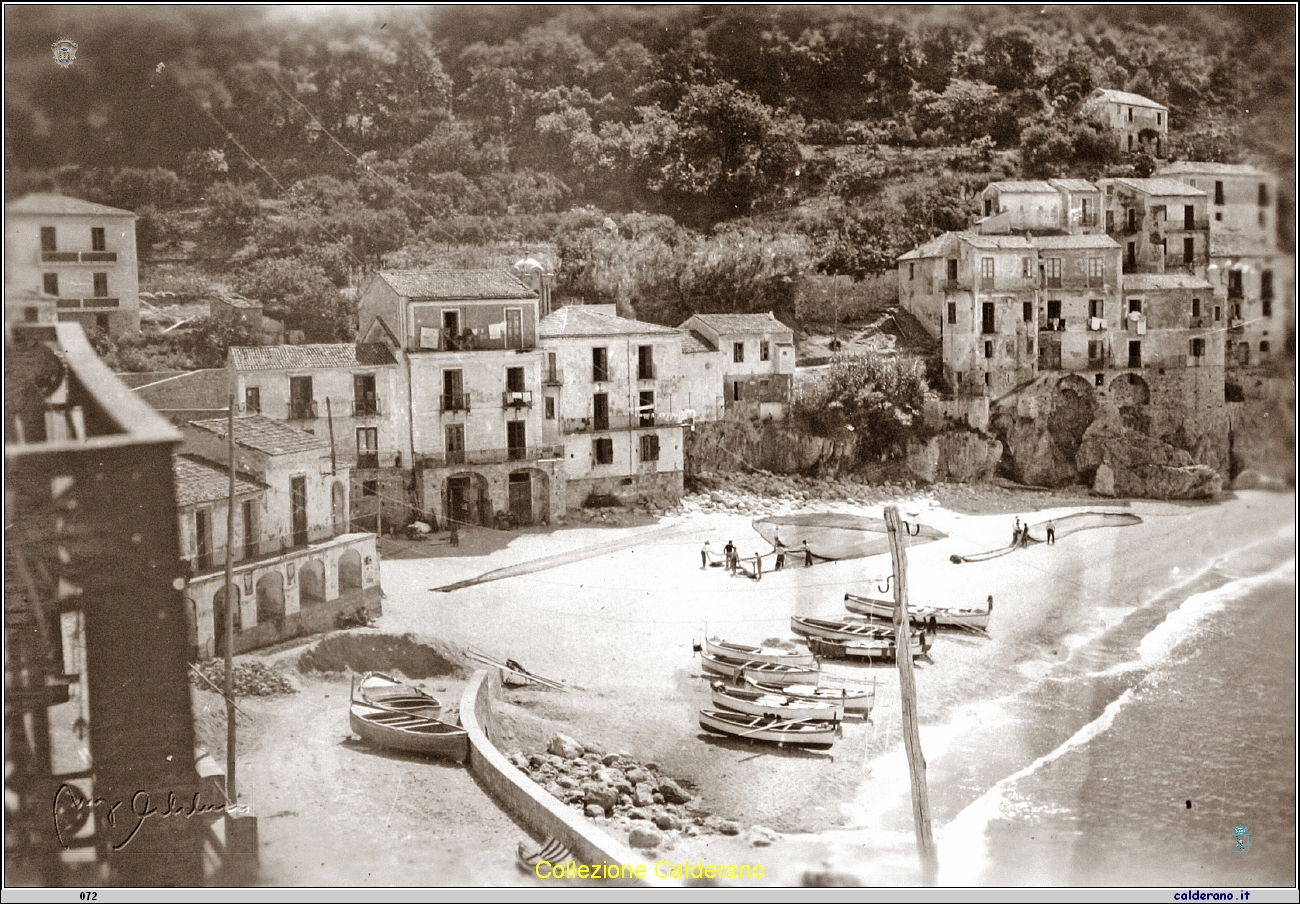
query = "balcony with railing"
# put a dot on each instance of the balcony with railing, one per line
(553, 376)
(88, 304)
(368, 460)
(618, 422)
(491, 456)
(1088, 218)
(302, 410)
(454, 401)
(78, 257)
(366, 408)
(510, 399)
(951, 285)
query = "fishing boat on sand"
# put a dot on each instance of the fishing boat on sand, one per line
(869, 649)
(763, 703)
(969, 617)
(727, 650)
(856, 701)
(817, 734)
(386, 692)
(408, 732)
(770, 672)
(851, 630)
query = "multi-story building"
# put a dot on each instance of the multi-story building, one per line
(79, 254)
(467, 340)
(1037, 206)
(1079, 279)
(297, 563)
(1140, 123)
(978, 295)
(1160, 224)
(757, 360)
(1243, 198)
(617, 389)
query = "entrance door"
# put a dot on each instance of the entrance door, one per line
(458, 490)
(516, 440)
(1135, 354)
(987, 320)
(455, 434)
(514, 328)
(521, 498)
(300, 399)
(298, 502)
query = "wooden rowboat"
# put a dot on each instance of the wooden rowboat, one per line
(725, 649)
(405, 731)
(868, 649)
(856, 701)
(783, 732)
(843, 629)
(884, 609)
(386, 692)
(762, 703)
(769, 672)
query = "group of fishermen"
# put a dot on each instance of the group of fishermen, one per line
(1020, 534)
(733, 562)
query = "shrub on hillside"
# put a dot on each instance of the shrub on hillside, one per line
(878, 399)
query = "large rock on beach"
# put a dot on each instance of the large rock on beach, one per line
(1103, 484)
(565, 747)
(643, 795)
(1143, 465)
(673, 793)
(761, 836)
(646, 839)
(600, 795)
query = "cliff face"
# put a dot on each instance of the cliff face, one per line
(1262, 436)
(957, 457)
(1119, 461)
(724, 446)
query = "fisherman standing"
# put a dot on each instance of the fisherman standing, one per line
(807, 555)
(1051, 533)
(1015, 533)
(730, 552)
(758, 566)
(704, 555)
(780, 553)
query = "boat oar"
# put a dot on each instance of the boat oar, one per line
(770, 727)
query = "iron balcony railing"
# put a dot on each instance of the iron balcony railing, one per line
(367, 459)
(73, 257)
(553, 376)
(455, 401)
(511, 399)
(365, 407)
(302, 410)
(617, 422)
(491, 456)
(87, 304)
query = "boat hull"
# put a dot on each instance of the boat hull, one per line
(884, 610)
(845, 630)
(724, 650)
(385, 692)
(863, 650)
(407, 732)
(769, 672)
(761, 703)
(782, 732)
(856, 702)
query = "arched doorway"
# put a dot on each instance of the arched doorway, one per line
(465, 499)
(219, 619)
(311, 582)
(1130, 389)
(339, 507)
(349, 571)
(529, 496)
(270, 596)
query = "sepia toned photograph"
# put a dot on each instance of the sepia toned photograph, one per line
(606, 447)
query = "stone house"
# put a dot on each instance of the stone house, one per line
(1040, 207)
(1139, 122)
(1079, 280)
(81, 255)
(757, 361)
(1242, 198)
(1160, 224)
(619, 397)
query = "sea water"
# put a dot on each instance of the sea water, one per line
(1149, 755)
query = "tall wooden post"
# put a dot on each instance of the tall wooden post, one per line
(907, 686)
(329, 418)
(230, 610)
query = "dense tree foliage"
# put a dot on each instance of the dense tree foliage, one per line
(880, 399)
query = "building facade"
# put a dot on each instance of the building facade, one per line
(756, 357)
(617, 392)
(1079, 284)
(1139, 122)
(81, 255)
(468, 342)
(1160, 224)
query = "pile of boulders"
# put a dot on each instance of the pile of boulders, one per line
(615, 790)
(771, 494)
(250, 679)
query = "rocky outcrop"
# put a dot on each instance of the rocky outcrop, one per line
(1262, 437)
(958, 456)
(723, 446)
(1141, 465)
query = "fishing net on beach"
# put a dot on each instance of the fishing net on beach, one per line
(1066, 525)
(833, 536)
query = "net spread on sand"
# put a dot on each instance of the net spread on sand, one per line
(837, 536)
(1064, 526)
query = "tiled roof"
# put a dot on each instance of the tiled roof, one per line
(1157, 186)
(932, 248)
(574, 321)
(453, 284)
(199, 480)
(976, 240)
(1025, 186)
(1192, 168)
(1110, 95)
(48, 203)
(740, 323)
(1147, 282)
(695, 344)
(1074, 241)
(263, 434)
(303, 357)
(1072, 184)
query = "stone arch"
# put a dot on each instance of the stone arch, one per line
(339, 507)
(1074, 406)
(1075, 384)
(311, 582)
(1130, 389)
(349, 571)
(270, 596)
(465, 499)
(219, 618)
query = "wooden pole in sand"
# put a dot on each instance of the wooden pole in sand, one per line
(229, 627)
(907, 686)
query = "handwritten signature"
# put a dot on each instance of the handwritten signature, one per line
(70, 803)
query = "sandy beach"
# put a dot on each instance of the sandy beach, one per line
(617, 628)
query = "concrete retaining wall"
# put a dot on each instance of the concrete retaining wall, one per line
(524, 800)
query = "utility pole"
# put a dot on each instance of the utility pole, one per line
(329, 419)
(907, 686)
(230, 610)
